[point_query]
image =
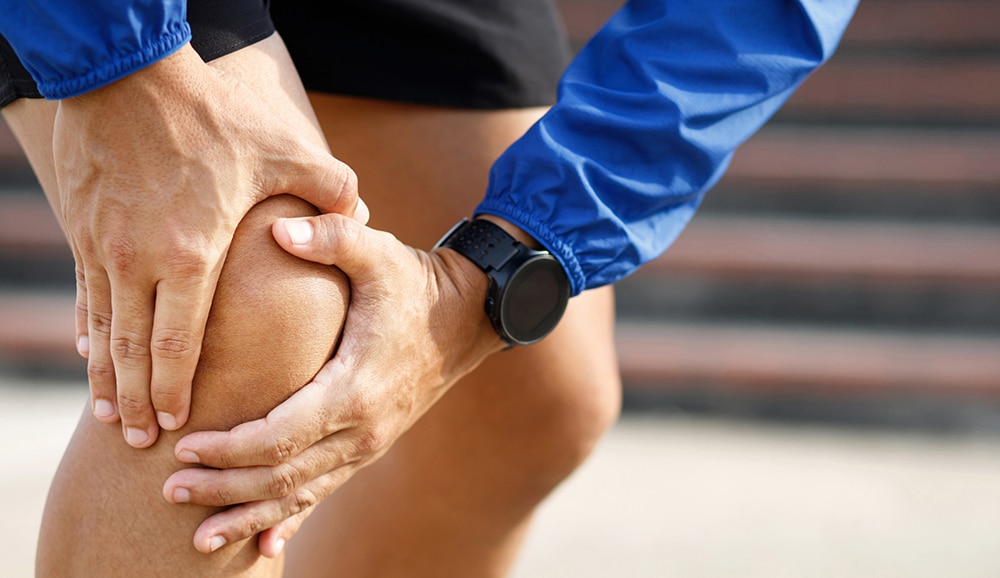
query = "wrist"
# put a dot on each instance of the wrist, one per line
(519, 234)
(172, 74)
(527, 290)
(468, 285)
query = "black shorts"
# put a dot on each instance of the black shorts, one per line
(483, 54)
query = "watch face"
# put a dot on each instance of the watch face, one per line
(534, 299)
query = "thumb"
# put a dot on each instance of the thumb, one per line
(361, 252)
(272, 541)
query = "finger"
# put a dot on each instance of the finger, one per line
(272, 541)
(178, 327)
(82, 337)
(296, 424)
(362, 214)
(330, 185)
(360, 252)
(226, 487)
(131, 325)
(248, 520)
(100, 368)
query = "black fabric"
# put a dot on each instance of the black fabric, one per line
(456, 53)
(15, 82)
(219, 27)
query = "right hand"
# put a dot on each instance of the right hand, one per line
(415, 325)
(155, 171)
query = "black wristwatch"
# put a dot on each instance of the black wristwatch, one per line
(528, 290)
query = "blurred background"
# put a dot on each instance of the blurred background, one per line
(812, 373)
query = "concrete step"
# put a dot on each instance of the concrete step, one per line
(834, 250)
(900, 88)
(38, 330)
(803, 156)
(807, 360)
(878, 24)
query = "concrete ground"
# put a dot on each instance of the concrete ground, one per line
(671, 497)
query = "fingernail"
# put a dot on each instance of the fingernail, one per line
(135, 436)
(166, 420)
(188, 457)
(301, 232)
(83, 346)
(181, 496)
(103, 408)
(279, 545)
(216, 542)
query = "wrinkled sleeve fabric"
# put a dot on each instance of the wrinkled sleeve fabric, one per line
(71, 47)
(648, 116)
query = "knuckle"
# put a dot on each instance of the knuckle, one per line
(281, 449)
(100, 322)
(250, 525)
(99, 371)
(128, 350)
(120, 253)
(301, 501)
(131, 404)
(222, 496)
(172, 343)
(368, 441)
(166, 397)
(81, 309)
(226, 459)
(186, 262)
(284, 480)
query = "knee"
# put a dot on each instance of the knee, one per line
(572, 422)
(566, 390)
(274, 322)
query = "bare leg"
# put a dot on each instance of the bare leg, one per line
(455, 495)
(273, 325)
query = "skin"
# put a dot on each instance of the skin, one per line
(176, 133)
(453, 495)
(463, 465)
(105, 513)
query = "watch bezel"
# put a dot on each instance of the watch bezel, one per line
(499, 306)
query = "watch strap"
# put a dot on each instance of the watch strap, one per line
(483, 242)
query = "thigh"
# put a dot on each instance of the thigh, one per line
(454, 495)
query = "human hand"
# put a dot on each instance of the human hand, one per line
(415, 324)
(155, 171)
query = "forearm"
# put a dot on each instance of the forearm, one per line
(648, 117)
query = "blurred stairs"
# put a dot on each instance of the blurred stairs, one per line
(847, 268)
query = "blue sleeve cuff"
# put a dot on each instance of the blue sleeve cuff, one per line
(71, 47)
(119, 67)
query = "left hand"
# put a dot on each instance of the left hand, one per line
(414, 326)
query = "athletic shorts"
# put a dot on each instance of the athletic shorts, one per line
(480, 54)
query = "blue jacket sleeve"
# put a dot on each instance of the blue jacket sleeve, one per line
(648, 116)
(71, 47)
